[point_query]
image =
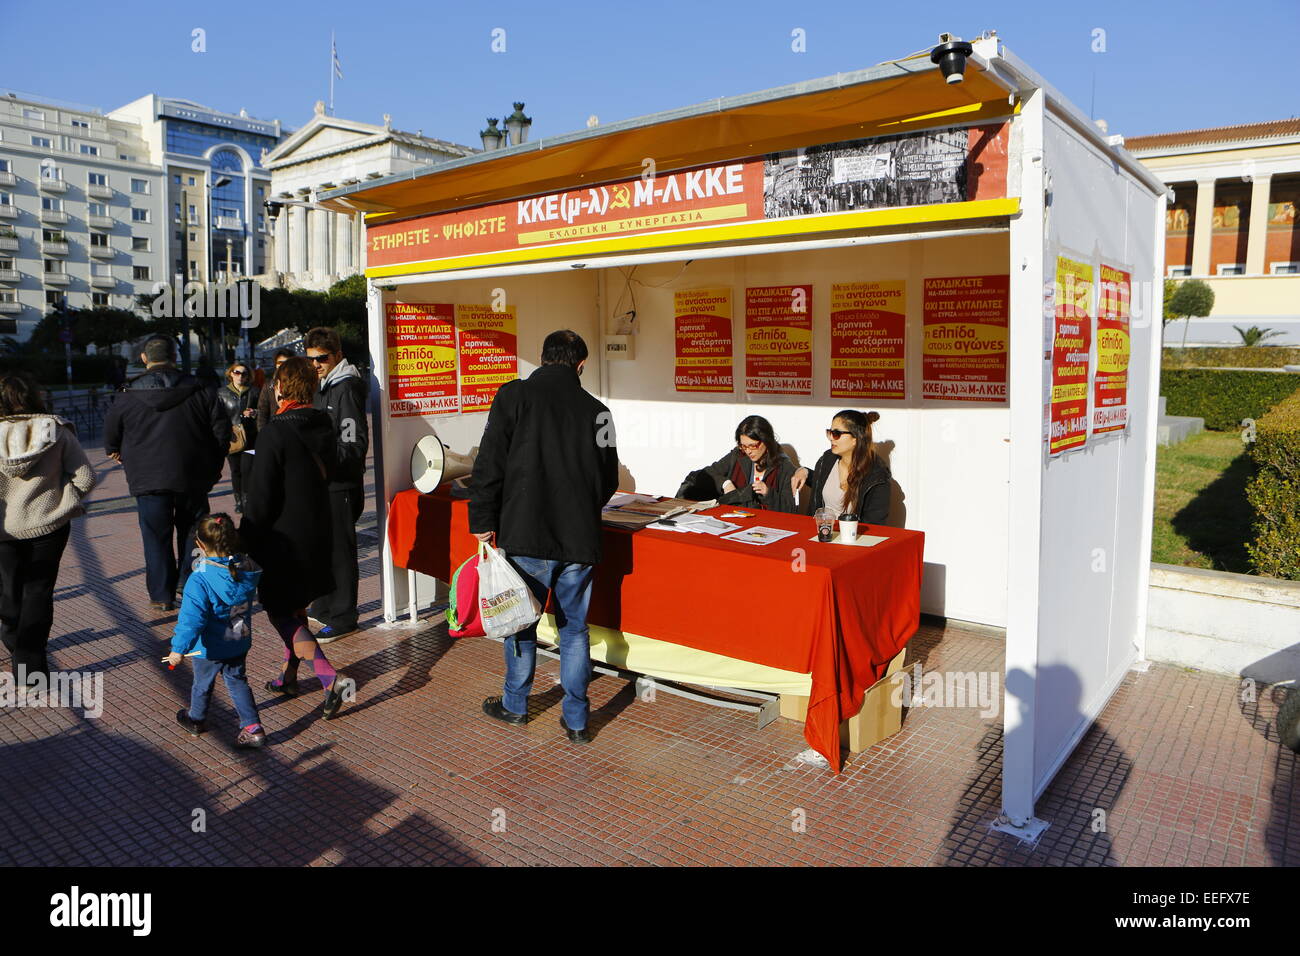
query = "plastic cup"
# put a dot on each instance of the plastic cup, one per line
(825, 518)
(848, 528)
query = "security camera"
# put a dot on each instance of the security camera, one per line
(951, 57)
(273, 209)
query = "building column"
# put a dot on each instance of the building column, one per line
(1203, 228)
(343, 248)
(320, 240)
(281, 240)
(298, 240)
(1257, 237)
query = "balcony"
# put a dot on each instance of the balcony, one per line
(103, 282)
(10, 275)
(99, 192)
(10, 308)
(8, 211)
(49, 185)
(8, 179)
(58, 278)
(55, 217)
(101, 252)
(100, 222)
(8, 243)
(229, 222)
(54, 247)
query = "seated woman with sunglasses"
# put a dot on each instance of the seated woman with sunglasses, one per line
(756, 472)
(850, 476)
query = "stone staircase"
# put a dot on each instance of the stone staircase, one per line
(1171, 429)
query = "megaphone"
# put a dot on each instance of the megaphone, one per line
(432, 463)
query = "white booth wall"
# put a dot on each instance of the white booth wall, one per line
(663, 434)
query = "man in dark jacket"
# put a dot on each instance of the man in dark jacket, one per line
(546, 466)
(171, 436)
(343, 394)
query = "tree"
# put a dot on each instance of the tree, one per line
(1193, 298)
(1255, 335)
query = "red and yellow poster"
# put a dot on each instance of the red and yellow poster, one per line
(489, 353)
(703, 326)
(1110, 384)
(1071, 345)
(778, 340)
(868, 325)
(964, 355)
(421, 343)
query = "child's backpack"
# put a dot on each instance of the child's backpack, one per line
(463, 617)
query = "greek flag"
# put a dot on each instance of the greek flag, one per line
(334, 52)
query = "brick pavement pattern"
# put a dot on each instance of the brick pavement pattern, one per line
(1183, 771)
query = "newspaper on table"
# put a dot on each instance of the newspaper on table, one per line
(759, 535)
(639, 513)
(696, 524)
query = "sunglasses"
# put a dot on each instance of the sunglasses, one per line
(753, 447)
(318, 359)
(833, 433)
(241, 374)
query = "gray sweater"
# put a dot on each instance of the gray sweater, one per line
(44, 474)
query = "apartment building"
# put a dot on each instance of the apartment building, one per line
(81, 211)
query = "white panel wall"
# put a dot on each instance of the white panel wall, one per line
(1093, 503)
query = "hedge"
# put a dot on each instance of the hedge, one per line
(1274, 492)
(1225, 398)
(50, 369)
(1259, 356)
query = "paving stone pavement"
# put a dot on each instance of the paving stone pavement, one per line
(1178, 771)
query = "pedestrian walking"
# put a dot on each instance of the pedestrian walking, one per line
(266, 398)
(171, 435)
(285, 527)
(239, 399)
(215, 629)
(343, 393)
(546, 466)
(44, 475)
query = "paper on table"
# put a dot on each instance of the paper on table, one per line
(759, 535)
(699, 524)
(621, 498)
(864, 540)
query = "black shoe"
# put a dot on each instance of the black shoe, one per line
(192, 727)
(288, 688)
(162, 605)
(497, 711)
(576, 736)
(333, 701)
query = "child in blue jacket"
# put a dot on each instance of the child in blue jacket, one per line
(216, 623)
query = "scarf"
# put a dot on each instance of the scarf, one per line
(742, 477)
(288, 403)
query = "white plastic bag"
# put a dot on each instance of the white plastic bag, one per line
(506, 603)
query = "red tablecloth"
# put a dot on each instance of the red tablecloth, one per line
(839, 613)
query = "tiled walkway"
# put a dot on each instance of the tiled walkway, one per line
(413, 773)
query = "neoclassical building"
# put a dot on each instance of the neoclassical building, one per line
(315, 247)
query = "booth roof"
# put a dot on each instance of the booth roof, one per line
(890, 98)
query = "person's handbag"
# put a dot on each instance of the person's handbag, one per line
(463, 618)
(506, 604)
(238, 439)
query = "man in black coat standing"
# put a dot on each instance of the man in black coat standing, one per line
(546, 467)
(170, 434)
(343, 394)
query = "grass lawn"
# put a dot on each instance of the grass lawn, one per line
(1202, 519)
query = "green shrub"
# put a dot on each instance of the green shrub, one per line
(1239, 356)
(1274, 492)
(1225, 399)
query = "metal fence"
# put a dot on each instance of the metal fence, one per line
(85, 410)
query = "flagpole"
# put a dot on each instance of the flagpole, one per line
(331, 73)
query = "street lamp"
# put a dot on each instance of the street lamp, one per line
(212, 319)
(491, 136)
(518, 125)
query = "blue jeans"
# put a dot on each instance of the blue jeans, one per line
(164, 516)
(232, 672)
(572, 586)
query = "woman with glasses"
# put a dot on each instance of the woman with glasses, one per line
(756, 472)
(850, 477)
(239, 399)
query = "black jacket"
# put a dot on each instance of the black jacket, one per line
(345, 399)
(286, 526)
(171, 432)
(546, 466)
(234, 404)
(779, 497)
(873, 496)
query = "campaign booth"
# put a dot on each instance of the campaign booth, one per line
(975, 261)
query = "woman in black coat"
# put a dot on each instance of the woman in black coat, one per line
(756, 472)
(286, 524)
(850, 477)
(239, 400)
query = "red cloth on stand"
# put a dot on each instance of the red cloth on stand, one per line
(837, 612)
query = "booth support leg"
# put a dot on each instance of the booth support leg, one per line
(413, 605)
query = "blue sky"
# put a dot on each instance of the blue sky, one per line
(1166, 65)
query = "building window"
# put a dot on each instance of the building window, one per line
(261, 244)
(194, 217)
(51, 172)
(179, 235)
(81, 124)
(176, 179)
(54, 298)
(97, 179)
(260, 192)
(4, 166)
(99, 269)
(139, 215)
(8, 295)
(6, 199)
(89, 150)
(53, 235)
(99, 239)
(1231, 269)
(261, 223)
(1284, 268)
(191, 181)
(98, 209)
(51, 203)
(139, 243)
(42, 141)
(194, 269)
(34, 114)
(6, 263)
(194, 237)
(176, 212)
(1178, 272)
(99, 299)
(140, 186)
(53, 267)
(139, 272)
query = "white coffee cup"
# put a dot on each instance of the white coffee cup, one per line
(848, 529)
